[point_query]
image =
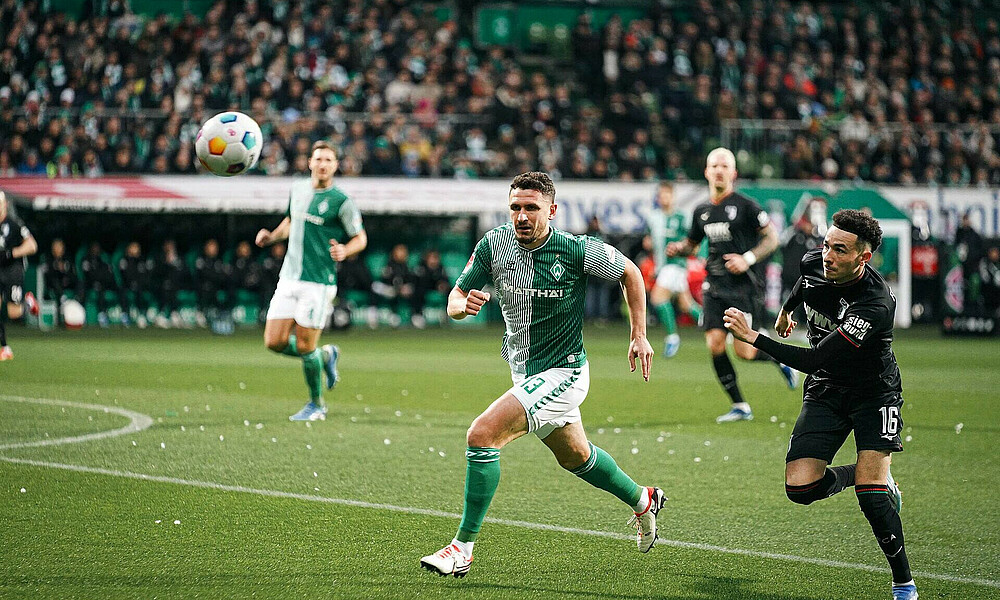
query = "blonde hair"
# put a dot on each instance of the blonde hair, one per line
(731, 158)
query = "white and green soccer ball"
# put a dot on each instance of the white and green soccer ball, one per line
(229, 144)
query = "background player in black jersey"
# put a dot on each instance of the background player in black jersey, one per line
(739, 235)
(853, 382)
(16, 243)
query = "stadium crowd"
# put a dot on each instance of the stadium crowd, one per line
(905, 92)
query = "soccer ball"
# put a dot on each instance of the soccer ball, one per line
(229, 144)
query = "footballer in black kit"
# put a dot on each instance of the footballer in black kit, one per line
(732, 227)
(853, 382)
(740, 235)
(16, 244)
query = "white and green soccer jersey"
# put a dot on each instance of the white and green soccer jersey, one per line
(317, 216)
(665, 228)
(541, 293)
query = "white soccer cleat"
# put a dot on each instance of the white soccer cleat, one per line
(310, 412)
(447, 561)
(904, 591)
(735, 414)
(645, 522)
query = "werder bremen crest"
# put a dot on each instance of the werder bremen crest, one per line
(557, 269)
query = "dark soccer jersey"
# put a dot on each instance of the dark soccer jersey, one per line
(731, 226)
(12, 234)
(863, 313)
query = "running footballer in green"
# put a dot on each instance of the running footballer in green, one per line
(539, 275)
(323, 227)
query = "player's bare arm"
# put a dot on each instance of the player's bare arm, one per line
(784, 324)
(28, 247)
(682, 248)
(340, 252)
(462, 304)
(635, 297)
(279, 233)
(739, 263)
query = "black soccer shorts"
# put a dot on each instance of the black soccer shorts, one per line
(12, 285)
(830, 413)
(715, 306)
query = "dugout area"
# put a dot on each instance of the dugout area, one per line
(453, 237)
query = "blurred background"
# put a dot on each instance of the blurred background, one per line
(892, 107)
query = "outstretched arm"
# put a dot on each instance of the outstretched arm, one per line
(635, 297)
(807, 360)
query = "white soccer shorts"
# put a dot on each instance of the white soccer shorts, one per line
(310, 304)
(552, 398)
(673, 278)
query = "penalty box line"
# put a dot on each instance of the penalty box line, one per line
(512, 523)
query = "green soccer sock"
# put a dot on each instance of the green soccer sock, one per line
(696, 312)
(665, 312)
(601, 471)
(291, 349)
(312, 366)
(482, 476)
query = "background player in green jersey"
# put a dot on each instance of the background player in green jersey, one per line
(667, 226)
(323, 227)
(540, 276)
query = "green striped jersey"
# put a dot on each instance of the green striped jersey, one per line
(665, 228)
(541, 293)
(317, 216)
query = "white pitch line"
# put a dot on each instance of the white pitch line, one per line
(137, 423)
(140, 422)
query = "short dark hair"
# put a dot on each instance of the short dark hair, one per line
(667, 184)
(535, 180)
(323, 145)
(860, 224)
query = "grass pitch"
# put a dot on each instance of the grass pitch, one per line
(265, 508)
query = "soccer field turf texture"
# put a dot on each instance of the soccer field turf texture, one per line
(345, 508)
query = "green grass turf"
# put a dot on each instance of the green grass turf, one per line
(396, 435)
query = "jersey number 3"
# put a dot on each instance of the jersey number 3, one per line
(533, 384)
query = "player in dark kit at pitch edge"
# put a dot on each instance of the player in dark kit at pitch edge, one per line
(853, 382)
(16, 243)
(733, 225)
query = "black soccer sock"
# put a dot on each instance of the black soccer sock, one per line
(845, 476)
(888, 529)
(727, 377)
(3, 333)
(834, 480)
